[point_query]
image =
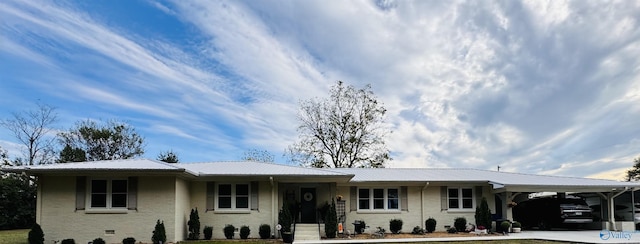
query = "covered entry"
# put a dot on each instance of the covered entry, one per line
(308, 200)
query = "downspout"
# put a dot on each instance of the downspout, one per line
(39, 202)
(273, 202)
(422, 204)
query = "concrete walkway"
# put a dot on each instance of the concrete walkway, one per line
(579, 236)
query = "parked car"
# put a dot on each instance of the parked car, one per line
(549, 212)
(623, 212)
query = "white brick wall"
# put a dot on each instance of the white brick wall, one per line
(219, 219)
(414, 216)
(59, 220)
(171, 200)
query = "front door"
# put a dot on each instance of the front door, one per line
(308, 205)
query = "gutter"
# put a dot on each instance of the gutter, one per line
(273, 202)
(422, 204)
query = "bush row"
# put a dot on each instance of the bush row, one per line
(36, 236)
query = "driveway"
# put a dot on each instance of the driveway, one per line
(575, 236)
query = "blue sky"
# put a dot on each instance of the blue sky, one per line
(549, 87)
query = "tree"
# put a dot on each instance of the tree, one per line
(194, 225)
(17, 201)
(4, 158)
(168, 157)
(106, 141)
(633, 174)
(33, 130)
(344, 131)
(483, 214)
(331, 221)
(69, 154)
(258, 156)
(159, 233)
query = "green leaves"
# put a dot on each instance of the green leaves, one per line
(106, 141)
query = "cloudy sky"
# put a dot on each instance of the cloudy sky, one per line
(548, 87)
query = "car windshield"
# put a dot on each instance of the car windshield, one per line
(567, 203)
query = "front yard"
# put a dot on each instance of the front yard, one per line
(13, 236)
(20, 237)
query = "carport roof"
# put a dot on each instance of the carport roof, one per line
(501, 181)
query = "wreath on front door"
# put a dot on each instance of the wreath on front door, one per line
(308, 196)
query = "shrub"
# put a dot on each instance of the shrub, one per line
(395, 225)
(68, 241)
(483, 213)
(516, 224)
(417, 231)
(36, 235)
(229, 231)
(208, 232)
(194, 225)
(505, 226)
(129, 240)
(159, 234)
(98, 241)
(331, 221)
(430, 225)
(244, 232)
(460, 223)
(452, 230)
(285, 219)
(264, 231)
(359, 226)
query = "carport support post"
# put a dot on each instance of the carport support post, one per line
(507, 212)
(612, 208)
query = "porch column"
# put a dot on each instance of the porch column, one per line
(507, 197)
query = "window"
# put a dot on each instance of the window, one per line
(233, 196)
(460, 198)
(108, 193)
(378, 199)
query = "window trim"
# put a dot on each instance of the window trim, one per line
(233, 196)
(386, 198)
(461, 198)
(109, 196)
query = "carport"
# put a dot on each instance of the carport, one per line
(515, 188)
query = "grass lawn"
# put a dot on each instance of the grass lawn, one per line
(14, 236)
(20, 237)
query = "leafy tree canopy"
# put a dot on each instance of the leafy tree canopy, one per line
(168, 157)
(633, 174)
(258, 156)
(104, 141)
(69, 154)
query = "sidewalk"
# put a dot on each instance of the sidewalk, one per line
(581, 236)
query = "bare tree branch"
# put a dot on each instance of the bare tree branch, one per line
(344, 131)
(33, 130)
